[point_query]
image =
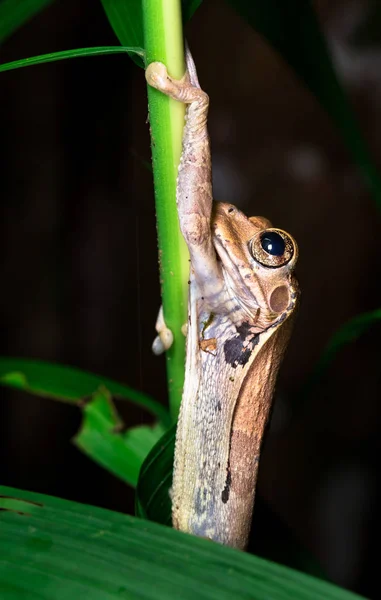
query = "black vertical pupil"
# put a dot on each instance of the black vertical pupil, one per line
(273, 243)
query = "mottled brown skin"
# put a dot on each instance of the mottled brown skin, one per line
(239, 322)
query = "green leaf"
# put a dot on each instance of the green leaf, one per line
(349, 332)
(53, 548)
(126, 19)
(189, 7)
(102, 438)
(78, 53)
(14, 13)
(68, 384)
(293, 30)
(155, 479)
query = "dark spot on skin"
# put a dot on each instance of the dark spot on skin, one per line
(244, 330)
(247, 276)
(219, 406)
(235, 351)
(226, 490)
(200, 505)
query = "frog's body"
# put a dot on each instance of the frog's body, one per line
(242, 293)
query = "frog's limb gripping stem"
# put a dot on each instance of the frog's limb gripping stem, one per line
(164, 340)
(186, 90)
(194, 188)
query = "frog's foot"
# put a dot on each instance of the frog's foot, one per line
(164, 340)
(186, 90)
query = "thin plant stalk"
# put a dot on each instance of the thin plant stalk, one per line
(163, 41)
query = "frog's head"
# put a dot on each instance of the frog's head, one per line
(257, 262)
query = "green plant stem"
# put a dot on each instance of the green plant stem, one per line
(163, 41)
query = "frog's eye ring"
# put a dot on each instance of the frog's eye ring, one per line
(272, 248)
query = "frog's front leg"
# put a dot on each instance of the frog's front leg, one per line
(194, 184)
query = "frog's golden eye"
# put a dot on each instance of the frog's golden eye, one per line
(272, 248)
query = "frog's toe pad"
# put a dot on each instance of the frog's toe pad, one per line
(162, 342)
(157, 75)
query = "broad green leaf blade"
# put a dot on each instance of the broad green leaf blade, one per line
(126, 19)
(53, 548)
(14, 13)
(103, 439)
(69, 384)
(78, 53)
(293, 30)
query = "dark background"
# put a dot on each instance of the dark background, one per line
(79, 275)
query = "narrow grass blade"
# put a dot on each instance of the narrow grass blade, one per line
(78, 53)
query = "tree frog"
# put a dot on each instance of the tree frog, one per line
(242, 298)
